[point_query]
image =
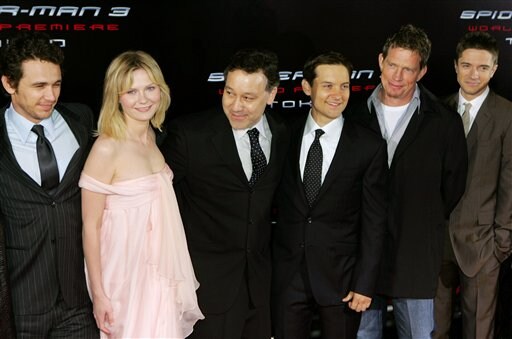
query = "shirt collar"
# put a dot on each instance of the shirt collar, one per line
(377, 103)
(260, 126)
(476, 102)
(329, 129)
(23, 126)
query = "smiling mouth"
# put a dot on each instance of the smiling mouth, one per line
(144, 109)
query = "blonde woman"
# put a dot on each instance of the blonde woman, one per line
(139, 272)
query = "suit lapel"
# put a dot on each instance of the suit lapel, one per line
(409, 135)
(82, 136)
(8, 160)
(344, 155)
(482, 119)
(294, 159)
(276, 155)
(224, 143)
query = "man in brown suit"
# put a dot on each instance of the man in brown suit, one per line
(480, 227)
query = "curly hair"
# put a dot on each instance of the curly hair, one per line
(24, 46)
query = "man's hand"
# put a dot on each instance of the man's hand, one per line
(357, 302)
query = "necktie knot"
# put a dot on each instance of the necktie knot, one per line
(253, 135)
(318, 133)
(47, 161)
(258, 160)
(39, 130)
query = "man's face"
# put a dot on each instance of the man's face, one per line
(329, 93)
(245, 98)
(400, 71)
(38, 89)
(474, 69)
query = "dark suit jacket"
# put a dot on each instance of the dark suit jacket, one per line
(426, 180)
(481, 224)
(43, 232)
(6, 318)
(227, 223)
(340, 237)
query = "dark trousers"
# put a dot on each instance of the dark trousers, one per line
(60, 322)
(294, 308)
(241, 321)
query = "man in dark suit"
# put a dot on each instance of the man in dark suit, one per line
(227, 164)
(329, 235)
(39, 195)
(427, 161)
(478, 238)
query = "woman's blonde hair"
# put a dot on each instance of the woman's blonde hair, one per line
(118, 79)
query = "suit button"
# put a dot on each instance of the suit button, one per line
(53, 204)
(310, 220)
(301, 245)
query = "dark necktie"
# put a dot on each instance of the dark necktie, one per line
(312, 178)
(47, 162)
(259, 162)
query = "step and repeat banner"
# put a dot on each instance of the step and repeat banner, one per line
(193, 40)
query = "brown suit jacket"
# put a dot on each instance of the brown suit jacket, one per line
(481, 224)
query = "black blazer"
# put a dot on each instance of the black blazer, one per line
(227, 223)
(43, 232)
(340, 237)
(426, 180)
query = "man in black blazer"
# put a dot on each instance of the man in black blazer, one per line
(427, 161)
(41, 217)
(225, 196)
(327, 246)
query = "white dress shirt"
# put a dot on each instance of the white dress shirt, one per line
(476, 103)
(23, 141)
(329, 142)
(243, 144)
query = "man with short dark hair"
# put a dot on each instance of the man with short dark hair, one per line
(427, 161)
(331, 212)
(478, 238)
(227, 163)
(43, 146)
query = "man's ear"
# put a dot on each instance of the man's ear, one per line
(272, 96)
(7, 85)
(306, 87)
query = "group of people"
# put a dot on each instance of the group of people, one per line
(237, 223)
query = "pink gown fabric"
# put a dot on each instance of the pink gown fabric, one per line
(146, 268)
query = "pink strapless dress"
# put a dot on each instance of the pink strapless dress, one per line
(146, 266)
